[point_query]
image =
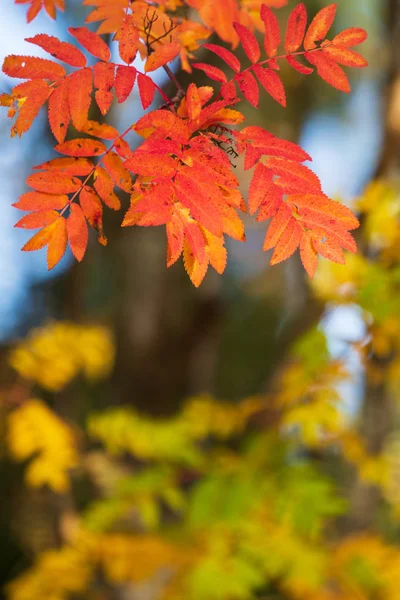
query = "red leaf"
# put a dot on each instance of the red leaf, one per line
(249, 87)
(272, 37)
(296, 28)
(128, 39)
(147, 90)
(30, 108)
(92, 208)
(80, 90)
(260, 183)
(77, 231)
(293, 62)
(319, 27)
(81, 147)
(124, 82)
(329, 71)
(28, 67)
(103, 82)
(248, 41)
(59, 111)
(212, 72)
(272, 83)
(278, 225)
(294, 176)
(92, 42)
(227, 56)
(350, 37)
(61, 50)
(201, 205)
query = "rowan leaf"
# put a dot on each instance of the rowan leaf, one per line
(147, 90)
(227, 56)
(150, 165)
(272, 37)
(272, 83)
(128, 40)
(249, 87)
(104, 186)
(53, 183)
(175, 238)
(194, 196)
(41, 201)
(103, 82)
(116, 169)
(80, 96)
(248, 41)
(353, 36)
(296, 28)
(278, 225)
(29, 67)
(37, 220)
(293, 177)
(81, 147)
(92, 208)
(100, 130)
(298, 66)
(260, 183)
(124, 81)
(57, 243)
(216, 251)
(30, 108)
(195, 268)
(193, 102)
(77, 231)
(59, 110)
(319, 26)
(346, 57)
(61, 50)
(329, 71)
(72, 166)
(92, 42)
(308, 254)
(212, 72)
(288, 242)
(161, 56)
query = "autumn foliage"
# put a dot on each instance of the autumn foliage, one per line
(178, 166)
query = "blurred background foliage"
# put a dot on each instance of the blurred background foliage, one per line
(236, 442)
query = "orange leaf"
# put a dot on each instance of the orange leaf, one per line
(92, 42)
(119, 174)
(248, 41)
(30, 108)
(350, 37)
(319, 27)
(61, 50)
(216, 251)
(37, 220)
(104, 186)
(293, 176)
(288, 242)
(59, 111)
(175, 237)
(81, 147)
(193, 102)
(57, 243)
(80, 90)
(77, 231)
(53, 183)
(195, 197)
(72, 166)
(195, 268)
(161, 56)
(346, 57)
(150, 165)
(92, 208)
(308, 254)
(41, 201)
(28, 67)
(147, 90)
(272, 37)
(296, 28)
(100, 130)
(278, 225)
